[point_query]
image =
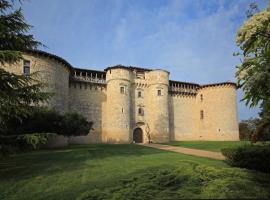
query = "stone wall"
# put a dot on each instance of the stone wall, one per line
(89, 100)
(219, 106)
(173, 115)
(182, 119)
(53, 73)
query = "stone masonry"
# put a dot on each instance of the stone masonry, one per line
(130, 104)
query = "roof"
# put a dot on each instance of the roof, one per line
(221, 83)
(182, 82)
(43, 53)
(127, 67)
(71, 68)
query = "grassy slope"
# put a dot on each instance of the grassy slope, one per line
(67, 173)
(208, 145)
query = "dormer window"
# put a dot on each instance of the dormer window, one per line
(26, 67)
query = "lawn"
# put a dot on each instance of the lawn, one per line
(124, 172)
(208, 145)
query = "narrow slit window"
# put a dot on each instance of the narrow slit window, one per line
(201, 97)
(159, 92)
(140, 111)
(201, 114)
(26, 67)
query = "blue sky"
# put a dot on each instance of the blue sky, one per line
(193, 39)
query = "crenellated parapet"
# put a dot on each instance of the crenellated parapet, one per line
(89, 76)
(183, 88)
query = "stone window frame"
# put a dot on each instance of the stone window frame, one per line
(159, 93)
(123, 88)
(140, 111)
(26, 67)
(140, 93)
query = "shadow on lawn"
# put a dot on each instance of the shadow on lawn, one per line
(48, 162)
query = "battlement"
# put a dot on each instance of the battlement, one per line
(90, 76)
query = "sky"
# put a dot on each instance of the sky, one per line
(193, 39)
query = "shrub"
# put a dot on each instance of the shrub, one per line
(74, 124)
(43, 120)
(20, 143)
(249, 156)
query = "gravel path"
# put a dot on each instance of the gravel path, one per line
(194, 152)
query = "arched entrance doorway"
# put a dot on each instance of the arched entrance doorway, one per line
(138, 135)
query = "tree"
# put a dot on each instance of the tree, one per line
(247, 128)
(18, 93)
(253, 74)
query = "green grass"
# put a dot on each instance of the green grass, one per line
(124, 172)
(208, 145)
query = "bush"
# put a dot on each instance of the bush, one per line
(20, 143)
(43, 120)
(249, 156)
(74, 124)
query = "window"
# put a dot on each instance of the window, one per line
(159, 92)
(201, 114)
(201, 97)
(122, 90)
(26, 67)
(140, 111)
(140, 94)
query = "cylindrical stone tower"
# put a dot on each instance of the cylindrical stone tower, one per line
(218, 112)
(117, 123)
(52, 70)
(158, 105)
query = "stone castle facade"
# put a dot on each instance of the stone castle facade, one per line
(131, 104)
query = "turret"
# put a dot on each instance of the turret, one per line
(217, 112)
(117, 123)
(157, 105)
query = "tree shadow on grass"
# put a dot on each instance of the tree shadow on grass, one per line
(48, 162)
(187, 181)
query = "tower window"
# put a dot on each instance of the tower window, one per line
(201, 97)
(140, 94)
(122, 90)
(201, 114)
(159, 92)
(140, 112)
(26, 67)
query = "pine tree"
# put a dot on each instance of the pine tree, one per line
(18, 93)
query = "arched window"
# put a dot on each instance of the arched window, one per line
(140, 111)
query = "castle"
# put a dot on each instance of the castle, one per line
(130, 104)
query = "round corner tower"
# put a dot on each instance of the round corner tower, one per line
(117, 128)
(158, 105)
(218, 112)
